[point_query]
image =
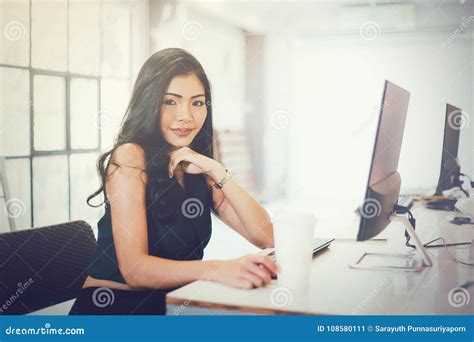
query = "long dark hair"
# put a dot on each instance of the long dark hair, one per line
(141, 122)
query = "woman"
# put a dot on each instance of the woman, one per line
(160, 185)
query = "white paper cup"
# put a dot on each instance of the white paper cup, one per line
(293, 231)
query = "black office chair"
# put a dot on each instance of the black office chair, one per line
(40, 267)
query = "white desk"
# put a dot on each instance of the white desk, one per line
(335, 289)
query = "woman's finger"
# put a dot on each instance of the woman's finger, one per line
(174, 155)
(188, 158)
(254, 279)
(260, 271)
(173, 163)
(266, 261)
(244, 284)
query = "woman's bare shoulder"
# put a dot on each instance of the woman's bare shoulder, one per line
(129, 158)
(129, 154)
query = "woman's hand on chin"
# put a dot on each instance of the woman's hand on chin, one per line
(194, 163)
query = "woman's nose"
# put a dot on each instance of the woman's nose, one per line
(185, 113)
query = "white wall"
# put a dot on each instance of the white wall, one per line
(336, 90)
(278, 114)
(218, 45)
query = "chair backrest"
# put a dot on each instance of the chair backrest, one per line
(40, 267)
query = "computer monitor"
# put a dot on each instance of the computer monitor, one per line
(383, 186)
(449, 176)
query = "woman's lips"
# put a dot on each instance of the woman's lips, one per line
(182, 132)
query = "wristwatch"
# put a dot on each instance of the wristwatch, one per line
(220, 184)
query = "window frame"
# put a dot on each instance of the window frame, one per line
(68, 77)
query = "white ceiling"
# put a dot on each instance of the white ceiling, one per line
(338, 16)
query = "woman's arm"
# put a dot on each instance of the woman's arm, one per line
(235, 206)
(239, 210)
(126, 190)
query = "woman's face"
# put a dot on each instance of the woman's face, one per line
(184, 110)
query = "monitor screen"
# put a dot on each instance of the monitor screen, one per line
(450, 170)
(383, 187)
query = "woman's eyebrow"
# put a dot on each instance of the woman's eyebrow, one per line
(181, 96)
(173, 94)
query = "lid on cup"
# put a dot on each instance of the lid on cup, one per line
(294, 215)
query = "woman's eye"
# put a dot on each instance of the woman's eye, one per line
(169, 102)
(198, 103)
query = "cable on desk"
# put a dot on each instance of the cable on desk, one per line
(445, 245)
(399, 209)
(468, 177)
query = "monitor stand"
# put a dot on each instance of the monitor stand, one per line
(407, 262)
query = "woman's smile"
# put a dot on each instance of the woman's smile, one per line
(182, 132)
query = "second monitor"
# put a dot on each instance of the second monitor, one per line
(450, 171)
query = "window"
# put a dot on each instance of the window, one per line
(63, 65)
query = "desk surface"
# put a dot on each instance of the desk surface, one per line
(336, 289)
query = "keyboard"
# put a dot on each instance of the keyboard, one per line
(318, 245)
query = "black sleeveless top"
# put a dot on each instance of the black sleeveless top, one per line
(178, 223)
